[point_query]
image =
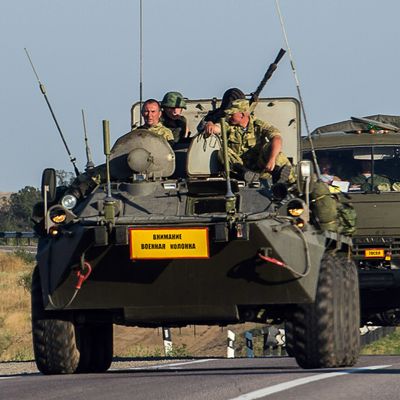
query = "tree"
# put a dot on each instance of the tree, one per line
(15, 213)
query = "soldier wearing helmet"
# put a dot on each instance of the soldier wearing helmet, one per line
(255, 145)
(172, 105)
(210, 123)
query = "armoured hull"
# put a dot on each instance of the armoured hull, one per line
(233, 276)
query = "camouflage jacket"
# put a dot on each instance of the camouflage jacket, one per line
(177, 126)
(160, 130)
(257, 134)
(365, 184)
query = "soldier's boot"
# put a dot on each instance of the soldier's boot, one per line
(240, 172)
(251, 176)
(281, 174)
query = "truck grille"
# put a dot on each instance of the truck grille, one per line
(360, 244)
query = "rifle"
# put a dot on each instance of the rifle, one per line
(256, 94)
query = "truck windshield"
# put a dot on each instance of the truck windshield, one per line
(361, 169)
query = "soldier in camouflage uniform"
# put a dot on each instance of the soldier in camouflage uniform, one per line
(210, 123)
(363, 181)
(172, 105)
(255, 145)
(151, 112)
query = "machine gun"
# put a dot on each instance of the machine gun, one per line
(256, 94)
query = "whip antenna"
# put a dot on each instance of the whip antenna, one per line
(141, 62)
(89, 160)
(298, 90)
(43, 90)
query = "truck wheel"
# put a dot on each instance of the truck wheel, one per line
(289, 338)
(96, 347)
(54, 342)
(326, 332)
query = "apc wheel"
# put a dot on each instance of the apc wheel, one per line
(95, 343)
(289, 338)
(326, 332)
(54, 342)
(352, 298)
(60, 346)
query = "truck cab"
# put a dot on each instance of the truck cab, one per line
(361, 158)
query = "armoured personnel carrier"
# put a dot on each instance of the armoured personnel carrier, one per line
(164, 237)
(363, 155)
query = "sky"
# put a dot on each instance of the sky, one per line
(86, 53)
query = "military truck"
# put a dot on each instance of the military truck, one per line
(165, 237)
(364, 156)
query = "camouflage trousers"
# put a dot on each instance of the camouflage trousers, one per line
(256, 158)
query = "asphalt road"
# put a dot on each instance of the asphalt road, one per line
(374, 377)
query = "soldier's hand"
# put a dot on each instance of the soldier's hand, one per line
(270, 166)
(212, 128)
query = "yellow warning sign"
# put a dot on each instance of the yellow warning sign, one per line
(159, 243)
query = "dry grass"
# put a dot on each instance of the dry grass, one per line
(15, 326)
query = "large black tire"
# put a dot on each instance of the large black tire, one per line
(352, 332)
(95, 343)
(54, 342)
(289, 338)
(326, 333)
(62, 347)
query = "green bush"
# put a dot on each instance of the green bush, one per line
(25, 280)
(25, 256)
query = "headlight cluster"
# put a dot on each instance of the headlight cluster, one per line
(58, 215)
(69, 201)
(298, 209)
(295, 212)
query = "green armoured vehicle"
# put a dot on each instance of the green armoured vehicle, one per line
(362, 158)
(170, 240)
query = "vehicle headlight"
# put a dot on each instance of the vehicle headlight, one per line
(295, 212)
(69, 201)
(58, 215)
(296, 208)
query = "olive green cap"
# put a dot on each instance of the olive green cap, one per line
(173, 100)
(240, 105)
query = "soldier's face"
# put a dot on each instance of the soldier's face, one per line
(151, 114)
(173, 112)
(236, 118)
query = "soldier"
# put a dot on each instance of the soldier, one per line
(363, 181)
(327, 175)
(255, 145)
(172, 105)
(151, 112)
(210, 123)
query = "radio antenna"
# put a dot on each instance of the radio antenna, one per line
(43, 90)
(141, 62)
(298, 90)
(89, 163)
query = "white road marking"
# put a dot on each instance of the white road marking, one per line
(160, 366)
(302, 381)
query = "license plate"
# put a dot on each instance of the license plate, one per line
(375, 253)
(164, 243)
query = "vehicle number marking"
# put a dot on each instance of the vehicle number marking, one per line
(371, 253)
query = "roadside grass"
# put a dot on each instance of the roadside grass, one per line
(15, 325)
(389, 345)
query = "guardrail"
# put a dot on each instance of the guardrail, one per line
(14, 238)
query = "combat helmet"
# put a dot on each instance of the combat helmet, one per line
(229, 96)
(173, 99)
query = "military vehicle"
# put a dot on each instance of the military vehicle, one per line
(364, 156)
(165, 237)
